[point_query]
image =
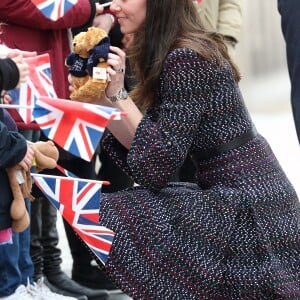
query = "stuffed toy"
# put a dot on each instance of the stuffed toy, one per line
(87, 64)
(45, 157)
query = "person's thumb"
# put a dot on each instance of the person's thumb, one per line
(17, 59)
(99, 9)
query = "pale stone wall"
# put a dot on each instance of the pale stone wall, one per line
(262, 48)
(262, 59)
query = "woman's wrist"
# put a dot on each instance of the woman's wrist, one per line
(105, 100)
(121, 95)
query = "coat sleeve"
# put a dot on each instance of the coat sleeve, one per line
(230, 19)
(25, 13)
(13, 147)
(9, 74)
(165, 134)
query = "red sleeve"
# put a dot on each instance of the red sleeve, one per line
(25, 13)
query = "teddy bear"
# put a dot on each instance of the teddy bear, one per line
(87, 64)
(45, 157)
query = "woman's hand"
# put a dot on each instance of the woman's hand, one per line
(116, 71)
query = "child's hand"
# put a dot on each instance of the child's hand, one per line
(23, 69)
(7, 99)
(26, 162)
(104, 21)
(12, 53)
(99, 9)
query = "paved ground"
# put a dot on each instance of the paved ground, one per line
(279, 130)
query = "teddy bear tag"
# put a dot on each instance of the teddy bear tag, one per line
(20, 177)
(99, 74)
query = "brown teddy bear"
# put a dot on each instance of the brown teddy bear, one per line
(87, 64)
(45, 157)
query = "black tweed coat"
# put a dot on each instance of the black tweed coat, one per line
(235, 234)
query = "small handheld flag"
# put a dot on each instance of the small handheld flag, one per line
(78, 201)
(75, 126)
(54, 9)
(39, 83)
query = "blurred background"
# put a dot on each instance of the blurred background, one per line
(261, 56)
(265, 82)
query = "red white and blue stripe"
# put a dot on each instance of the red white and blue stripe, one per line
(54, 9)
(75, 126)
(39, 83)
(78, 201)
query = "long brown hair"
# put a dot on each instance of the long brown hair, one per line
(170, 24)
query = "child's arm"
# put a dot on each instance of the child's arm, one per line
(9, 74)
(13, 147)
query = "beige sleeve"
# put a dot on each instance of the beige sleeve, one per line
(224, 17)
(230, 18)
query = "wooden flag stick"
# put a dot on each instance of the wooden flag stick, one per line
(70, 178)
(107, 4)
(15, 106)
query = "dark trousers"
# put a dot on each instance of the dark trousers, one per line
(45, 254)
(111, 172)
(290, 24)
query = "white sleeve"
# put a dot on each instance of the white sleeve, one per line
(3, 51)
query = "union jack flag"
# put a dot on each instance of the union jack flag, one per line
(38, 84)
(78, 201)
(54, 9)
(65, 172)
(75, 126)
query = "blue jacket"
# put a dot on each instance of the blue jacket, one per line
(12, 150)
(12, 144)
